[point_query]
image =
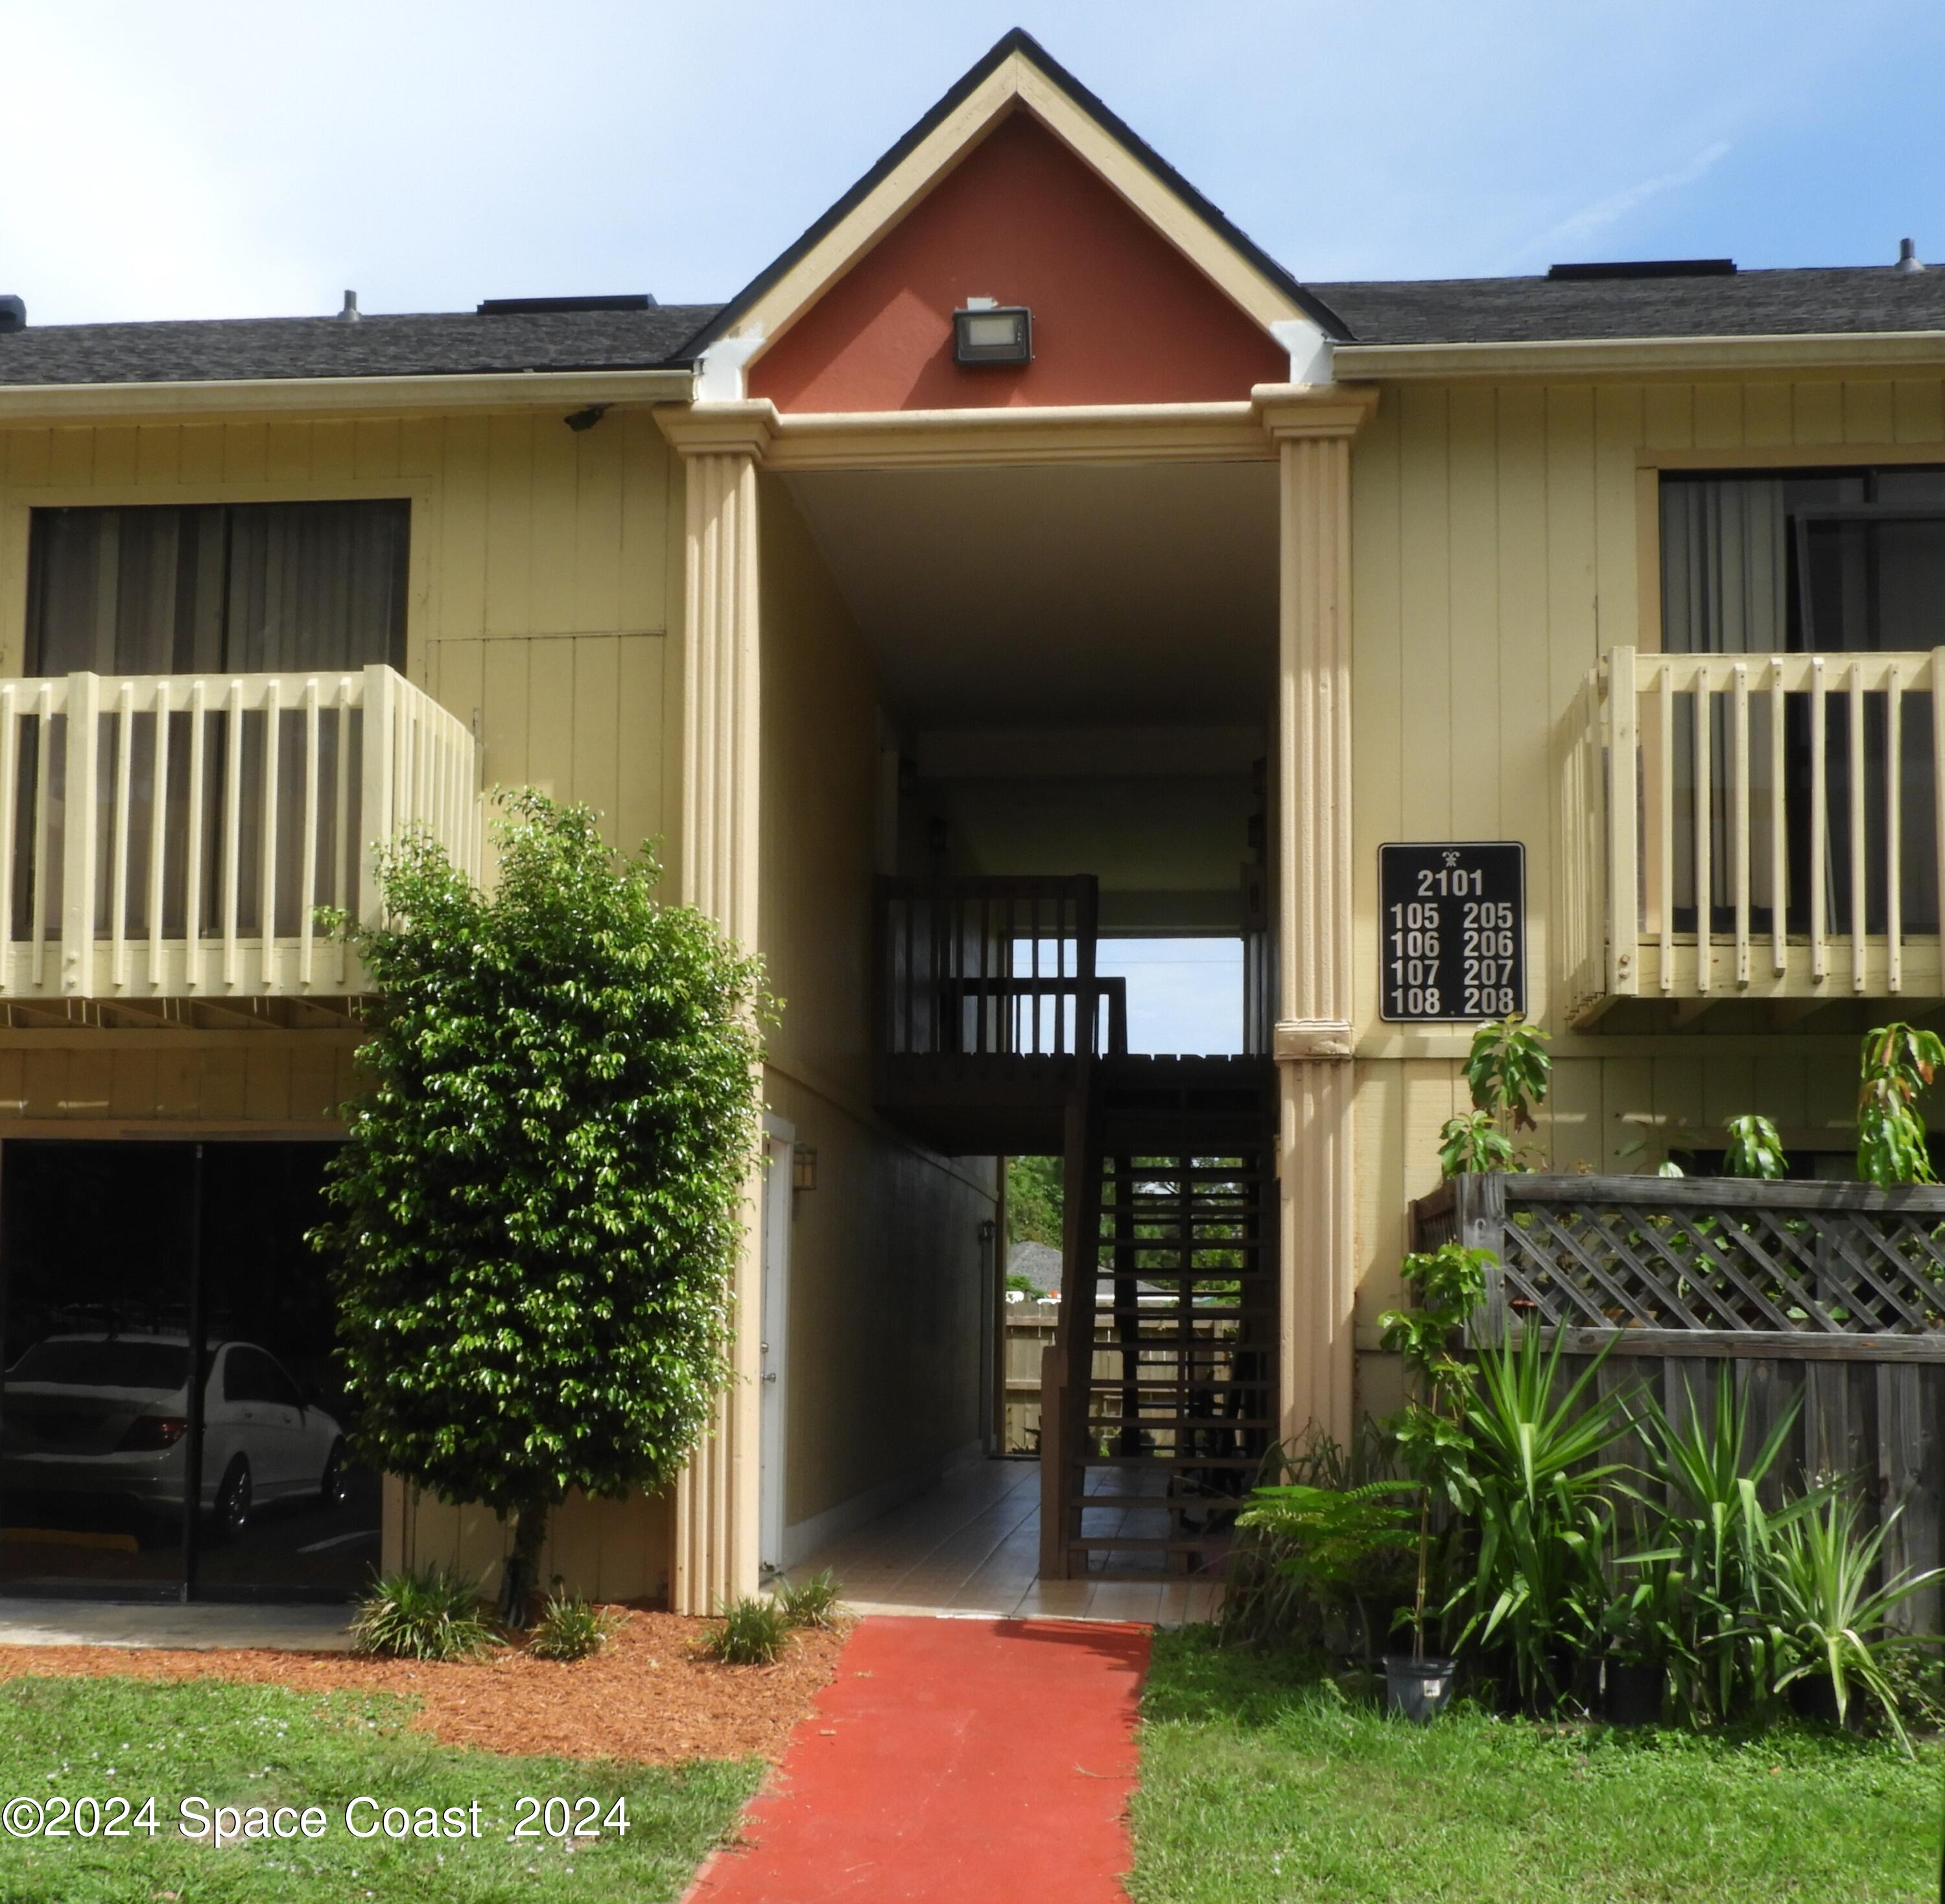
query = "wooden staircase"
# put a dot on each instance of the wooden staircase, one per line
(1164, 1368)
(996, 1035)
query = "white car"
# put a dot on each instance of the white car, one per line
(108, 1414)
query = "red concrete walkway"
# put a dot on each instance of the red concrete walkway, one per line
(952, 1761)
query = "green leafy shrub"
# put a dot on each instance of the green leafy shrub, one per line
(752, 1632)
(810, 1603)
(538, 1205)
(570, 1628)
(424, 1612)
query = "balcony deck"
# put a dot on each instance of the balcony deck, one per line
(1807, 869)
(173, 836)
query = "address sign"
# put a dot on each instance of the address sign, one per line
(1453, 936)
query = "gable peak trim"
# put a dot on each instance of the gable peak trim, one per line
(1017, 73)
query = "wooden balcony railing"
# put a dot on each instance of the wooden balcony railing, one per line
(993, 968)
(172, 835)
(1755, 826)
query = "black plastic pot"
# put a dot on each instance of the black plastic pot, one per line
(1634, 1693)
(1814, 1698)
(1418, 1689)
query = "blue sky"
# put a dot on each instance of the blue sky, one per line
(206, 159)
(1184, 994)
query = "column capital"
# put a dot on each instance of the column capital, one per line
(746, 427)
(1306, 1040)
(1294, 411)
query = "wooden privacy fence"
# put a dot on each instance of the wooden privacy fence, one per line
(1755, 825)
(1831, 1295)
(172, 835)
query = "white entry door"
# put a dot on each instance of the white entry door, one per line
(778, 1156)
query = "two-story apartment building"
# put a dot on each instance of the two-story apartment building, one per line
(1022, 560)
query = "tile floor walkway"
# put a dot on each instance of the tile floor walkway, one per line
(970, 1547)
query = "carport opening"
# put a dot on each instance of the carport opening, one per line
(173, 1421)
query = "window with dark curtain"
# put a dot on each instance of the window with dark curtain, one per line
(1827, 562)
(249, 588)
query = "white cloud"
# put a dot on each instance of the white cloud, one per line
(1573, 232)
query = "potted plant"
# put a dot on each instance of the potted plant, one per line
(1449, 1284)
(1643, 1629)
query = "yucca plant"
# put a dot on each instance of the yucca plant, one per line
(426, 1612)
(1829, 1618)
(1542, 1519)
(1713, 1528)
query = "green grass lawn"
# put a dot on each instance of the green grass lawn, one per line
(262, 1746)
(1259, 1784)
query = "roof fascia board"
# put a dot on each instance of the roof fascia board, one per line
(1183, 224)
(760, 313)
(81, 403)
(1133, 432)
(1659, 357)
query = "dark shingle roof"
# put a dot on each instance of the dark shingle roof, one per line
(1856, 299)
(218, 350)
(1750, 303)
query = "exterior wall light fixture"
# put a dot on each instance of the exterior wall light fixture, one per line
(804, 1167)
(988, 332)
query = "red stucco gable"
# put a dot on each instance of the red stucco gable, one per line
(1119, 316)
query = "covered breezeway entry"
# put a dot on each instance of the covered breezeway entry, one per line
(970, 1546)
(171, 1421)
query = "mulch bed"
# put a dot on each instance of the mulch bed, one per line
(646, 1696)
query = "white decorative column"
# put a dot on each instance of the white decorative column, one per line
(716, 1500)
(1313, 428)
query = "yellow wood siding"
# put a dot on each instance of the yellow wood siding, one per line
(545, 567)
(885, 1268)
(1500, 548)
(545, 585)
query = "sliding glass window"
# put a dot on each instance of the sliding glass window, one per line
(1827, 562)
(249, 588)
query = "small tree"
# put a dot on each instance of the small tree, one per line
(1429, 1431)
(538, 1205)
(1507, 1071)
(1897, 1064)
(1755, 1149)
